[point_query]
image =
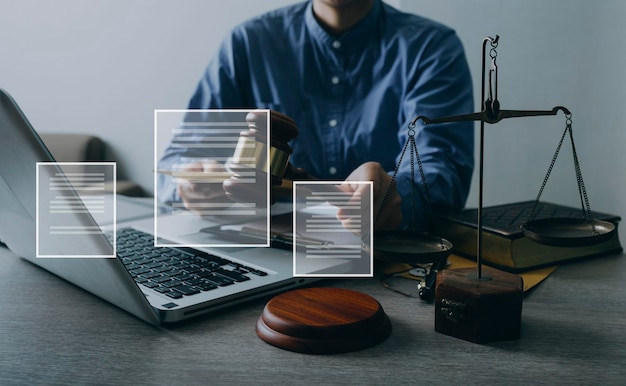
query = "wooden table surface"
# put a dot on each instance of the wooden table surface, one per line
(51, 332)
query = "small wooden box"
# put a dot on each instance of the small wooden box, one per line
(478, 310)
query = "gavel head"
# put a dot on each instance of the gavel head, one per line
(250, 163)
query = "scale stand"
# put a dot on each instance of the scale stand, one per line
(470, 304)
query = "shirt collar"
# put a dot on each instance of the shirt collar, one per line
(358, 34)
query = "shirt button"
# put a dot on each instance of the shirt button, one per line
(334, 79)
(336, 44)
(332, 170)
(332, 122)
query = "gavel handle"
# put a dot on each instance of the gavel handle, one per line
(298, 174)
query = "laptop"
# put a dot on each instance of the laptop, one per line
(233, 275)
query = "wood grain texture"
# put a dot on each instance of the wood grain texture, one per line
(323, 320)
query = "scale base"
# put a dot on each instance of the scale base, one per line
(482, 310)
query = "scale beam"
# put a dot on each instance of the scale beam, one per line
(491, 115)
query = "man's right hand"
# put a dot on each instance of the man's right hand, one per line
(391, 214)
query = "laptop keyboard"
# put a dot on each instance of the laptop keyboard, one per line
(177, 272)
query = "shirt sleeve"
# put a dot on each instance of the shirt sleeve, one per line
(219, 87)
(441, 87)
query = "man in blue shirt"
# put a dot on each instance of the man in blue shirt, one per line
(352, 74)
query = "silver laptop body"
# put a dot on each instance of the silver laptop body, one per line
(20, 150)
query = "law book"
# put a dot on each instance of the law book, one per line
(504, 245)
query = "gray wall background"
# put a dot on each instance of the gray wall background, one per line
(103, 66)
(551, 52)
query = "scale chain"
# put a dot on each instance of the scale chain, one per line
(579, 178)
(411, 144)
(392, 182)
(413, 152)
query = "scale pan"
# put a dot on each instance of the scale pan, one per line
(410, 247)
(568, 232)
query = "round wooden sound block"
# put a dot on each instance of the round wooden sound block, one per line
(323, 321)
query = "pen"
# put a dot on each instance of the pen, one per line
(285, 240)
(202, 176)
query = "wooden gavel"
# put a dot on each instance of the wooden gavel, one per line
(250, 158)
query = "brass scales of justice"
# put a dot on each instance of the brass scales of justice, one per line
(471, 304)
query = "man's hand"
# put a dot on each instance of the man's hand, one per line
(391, 214)
(196, 193)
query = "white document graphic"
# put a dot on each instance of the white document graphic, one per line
(70, 200)
(223, 161)
(321, 239)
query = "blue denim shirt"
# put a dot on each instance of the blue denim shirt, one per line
(352, 96)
